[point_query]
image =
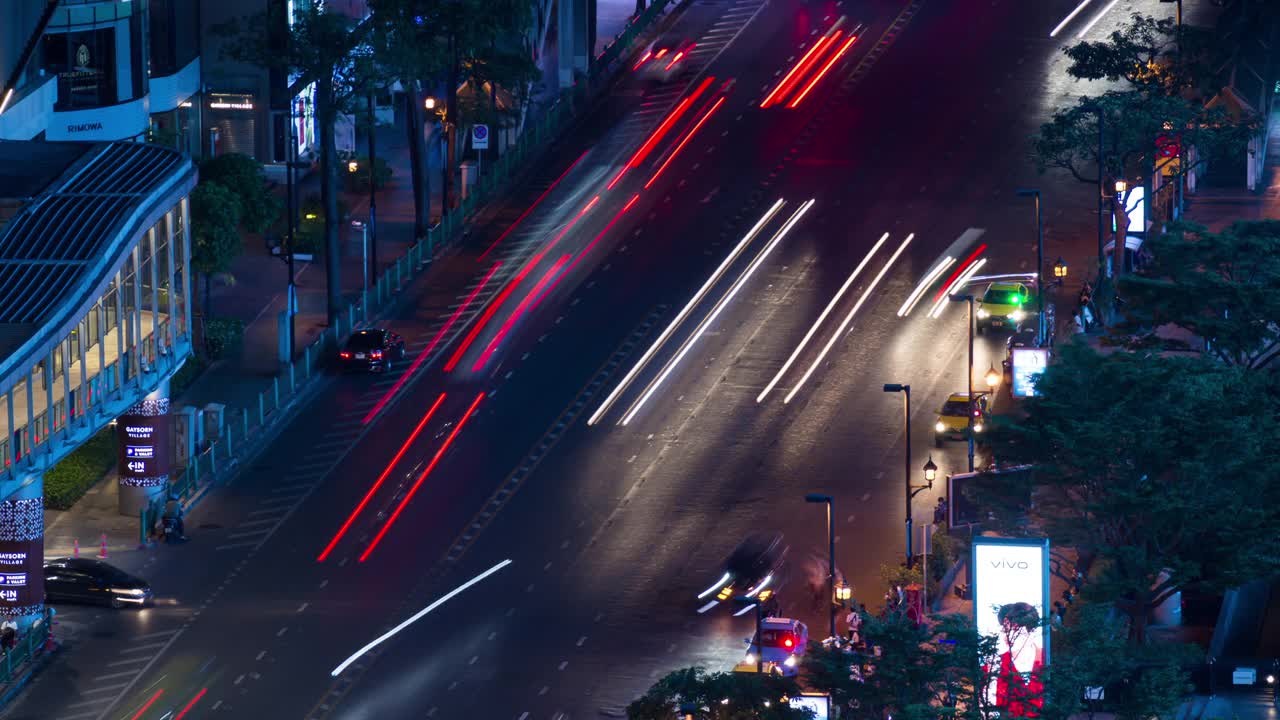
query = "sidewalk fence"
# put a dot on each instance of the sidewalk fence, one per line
(241, 426)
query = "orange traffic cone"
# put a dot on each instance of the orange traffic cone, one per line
(75, 549)
(103, 552)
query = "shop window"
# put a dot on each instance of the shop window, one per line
(85, 65)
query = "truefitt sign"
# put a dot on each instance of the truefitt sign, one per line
(143, 445)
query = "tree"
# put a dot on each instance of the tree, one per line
(1223, 287)
(1166, 100)
(749, 696)
(215, 220)
(1153, 466)
(317, 44)
(909, 670)
(241, 174)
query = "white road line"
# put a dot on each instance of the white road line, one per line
(138, 648)
(251, 523)
(148, 636)
(112, 676)
(234, 546)
(251, 533)
(142, 672)
(127, 661)
(264, 512)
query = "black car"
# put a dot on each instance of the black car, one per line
(751, 571)
(1024, 337)
(371, 350)
(93, 581)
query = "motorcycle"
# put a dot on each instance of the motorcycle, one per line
(170, 529)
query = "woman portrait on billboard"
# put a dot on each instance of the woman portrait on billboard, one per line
(1020, 655)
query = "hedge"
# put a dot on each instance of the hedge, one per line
(70, 479)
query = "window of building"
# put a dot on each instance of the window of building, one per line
(85, 65)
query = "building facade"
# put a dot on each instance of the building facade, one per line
(103, 70)
(95, 293)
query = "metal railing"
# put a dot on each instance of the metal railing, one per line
(243, 426)
(29, 645)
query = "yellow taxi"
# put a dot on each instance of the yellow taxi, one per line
(1004, 304)
(953, 418)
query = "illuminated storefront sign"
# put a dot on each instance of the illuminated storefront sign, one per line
(1028, 364)
(21, 556)
(1010, 592)
(143, 442)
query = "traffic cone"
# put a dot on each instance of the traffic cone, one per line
(75, 548)
(102, 554)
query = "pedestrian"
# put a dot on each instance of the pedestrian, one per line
(940, 512)
(1086, 317)
(854, 621)
(1077, 324)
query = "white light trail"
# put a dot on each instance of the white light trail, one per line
(684, 312)
(848, 319)
(928, 279)
(417, 616)
(719, 584)
(763, 584)
(1069, 18)
(708, 606)
(959, 282)
(5, 103)
(809, 335)
(1096, 18)
(745, 610)
(715, 312)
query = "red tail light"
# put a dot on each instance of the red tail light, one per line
(344, 354)
(788, 642)
(376, 354)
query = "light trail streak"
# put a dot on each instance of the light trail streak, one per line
(148, 704)
(606, 229)
(719, 584)
(381, 479)
(963, 266)
(520, 310)
(925, 282)
(839, 333)
(715, 312)
(422, 356)
(745, 610)
(936, 311)
(804, 60)
(1069, 18)
(1096, 18)
(535, 204)
(821, 318)
(435, 460)
(684, 312)
(416, 617)
(677, 57)
(649, 53)
(186, 708)
(708, 606)
(822, 73)
(684, 142)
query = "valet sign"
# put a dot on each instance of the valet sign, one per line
(143, 443)
(20, 580)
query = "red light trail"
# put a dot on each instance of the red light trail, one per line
(535, 204)
(683, 142)
(191, 704)
(381, 479)
(422, 356)
(791, 76)
(843, 49)
(417, 484)
(148, 704)
(520, 310)
(968, 261)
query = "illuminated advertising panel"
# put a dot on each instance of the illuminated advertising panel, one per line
(142, 445)
(21, 556)
(1010, 580)
(1028, 363)
(1136, 209)
(819, 704)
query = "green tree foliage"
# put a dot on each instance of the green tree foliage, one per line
(320, 46)
(215, 222)
(1166, 98)
(243, 175)
(1151, 466)
(917, 670)
(1224, 287)
(749, 696)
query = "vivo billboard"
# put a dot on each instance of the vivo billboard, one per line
(1010, 580)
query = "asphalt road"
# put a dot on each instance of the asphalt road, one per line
(612, 530)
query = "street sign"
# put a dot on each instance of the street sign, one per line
(143, 445)
(479, 137)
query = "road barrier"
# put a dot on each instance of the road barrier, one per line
(220, 452)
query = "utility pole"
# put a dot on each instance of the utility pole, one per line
(373, 195)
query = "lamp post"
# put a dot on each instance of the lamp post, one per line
(992, 377)
(906, 458)
(969, 299)
(1035, 192)
(831, 549)
(373, 194)
(1059, 271)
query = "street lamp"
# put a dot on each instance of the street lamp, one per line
(906, 457)
(1060, 271)
(1121, 186)
(429, 103)
(969, 299)
(930, 471)
(831, 547)
(353, 166)
(992, 377)
(843, 593)
(1035, 192)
